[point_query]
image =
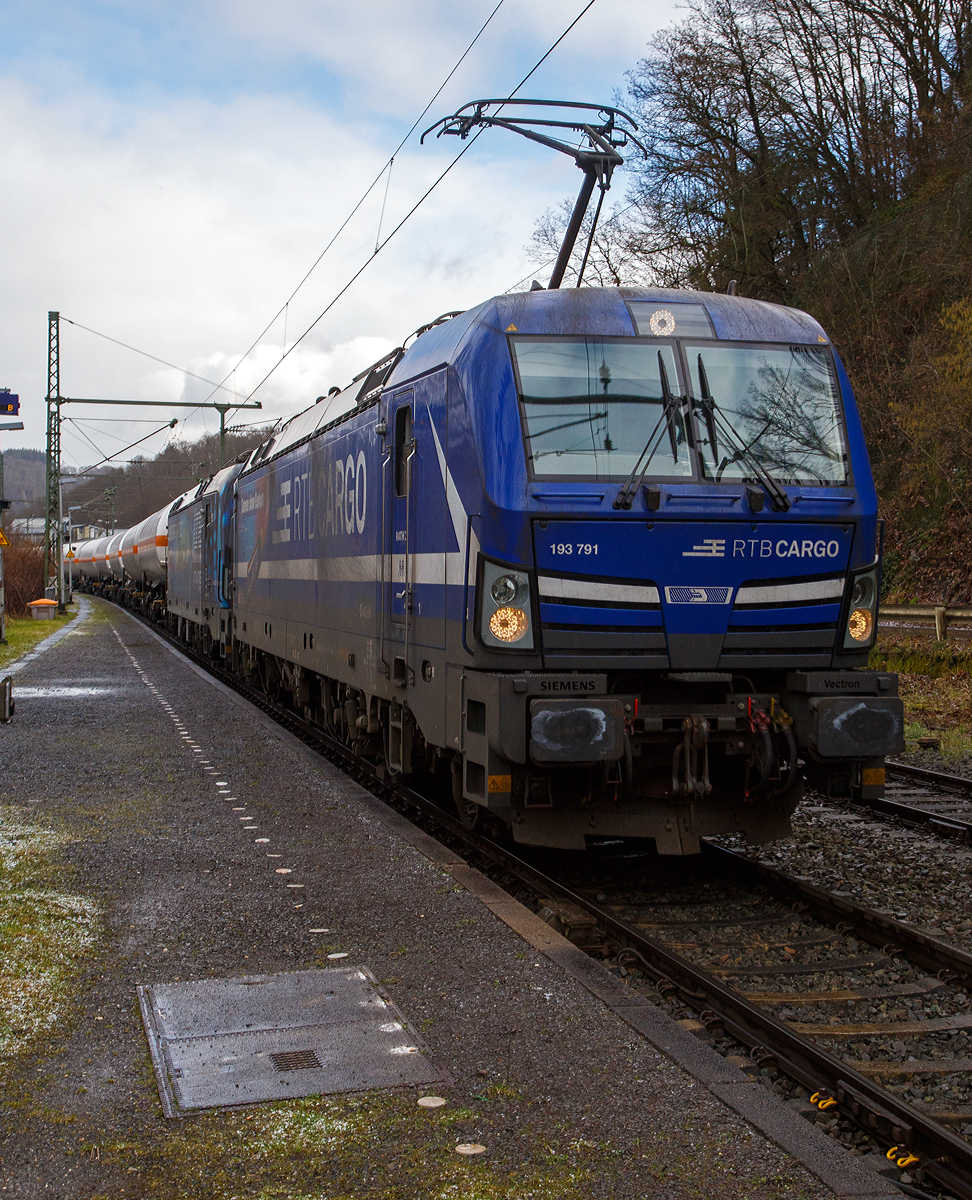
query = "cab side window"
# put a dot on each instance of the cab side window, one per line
(403, 448)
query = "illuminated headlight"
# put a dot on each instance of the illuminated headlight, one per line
(860, 624)
(505, 616)
(862, 620)
(509, 624)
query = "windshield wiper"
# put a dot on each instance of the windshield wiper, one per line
(714, 419)
(629, 489)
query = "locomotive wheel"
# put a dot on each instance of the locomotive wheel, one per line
(470, 813)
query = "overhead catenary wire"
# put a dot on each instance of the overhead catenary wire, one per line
(145, 354)
(131, 446)
(97, 449)
(364, 266)
(222, 385)
(106, 433)
(78, 429)
(384, 201)
(379, 245)
(365, 194)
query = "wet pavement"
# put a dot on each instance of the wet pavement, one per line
(157, 829)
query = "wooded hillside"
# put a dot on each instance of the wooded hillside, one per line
(121, 496)
(117, 497)
(820, 153)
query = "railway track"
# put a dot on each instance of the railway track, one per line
(828, 999)
(922, 797)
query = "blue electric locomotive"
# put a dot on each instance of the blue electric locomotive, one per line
(610, 556)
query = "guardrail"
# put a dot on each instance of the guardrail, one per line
(923, 618)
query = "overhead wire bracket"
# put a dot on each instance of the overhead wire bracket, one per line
(597, 155)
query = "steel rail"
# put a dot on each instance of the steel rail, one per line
(944, 1156)
(948, 825)
(957, 783)
(832, 908)
(943, 823)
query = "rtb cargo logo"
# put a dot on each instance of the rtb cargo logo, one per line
(765, 548)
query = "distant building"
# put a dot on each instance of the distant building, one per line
(32, 527)
(82, 533)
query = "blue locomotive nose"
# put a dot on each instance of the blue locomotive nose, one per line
(704, 595)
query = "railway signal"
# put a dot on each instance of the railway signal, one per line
(9, 407)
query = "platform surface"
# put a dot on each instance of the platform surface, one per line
(196, 844)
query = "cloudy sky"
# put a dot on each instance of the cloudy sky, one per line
(172, 168)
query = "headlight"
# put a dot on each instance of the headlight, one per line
(509, 624)
(505, 588)
(862, 619)
(863, 593)
(505, 619)
(860, 624)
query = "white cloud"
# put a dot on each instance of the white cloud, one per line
(389, 53)
(179, 223)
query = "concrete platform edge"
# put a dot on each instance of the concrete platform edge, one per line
(832, 1165)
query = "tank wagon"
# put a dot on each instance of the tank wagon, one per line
(611, 557)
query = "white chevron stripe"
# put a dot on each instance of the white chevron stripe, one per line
(786, 593)
(579, 589)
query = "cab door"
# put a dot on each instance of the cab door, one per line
(402, 517)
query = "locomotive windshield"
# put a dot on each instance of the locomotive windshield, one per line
(589, 405)
(772, 406)
(592, 406)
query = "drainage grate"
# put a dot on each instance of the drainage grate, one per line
(296, 1060)
(217, 1042)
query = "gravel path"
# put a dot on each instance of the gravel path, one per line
(175, 811)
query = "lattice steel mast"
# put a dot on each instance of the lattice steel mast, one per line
(53, 531)
(53, 574)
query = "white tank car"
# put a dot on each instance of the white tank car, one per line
(113, 555)
(84, 561)
(152, 545)
(100, 551)
(126, 553)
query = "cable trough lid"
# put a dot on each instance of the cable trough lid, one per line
(220, 1042)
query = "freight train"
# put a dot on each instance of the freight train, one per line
(609, 556)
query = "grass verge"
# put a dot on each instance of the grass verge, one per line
(44, 930)
(23, 634)
(935, 682)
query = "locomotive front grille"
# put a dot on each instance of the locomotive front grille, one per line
(605, 622)
(614, 624)
(783, 623)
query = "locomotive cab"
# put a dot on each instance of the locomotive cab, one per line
(672, 569)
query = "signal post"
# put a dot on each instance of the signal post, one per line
(9, 407)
